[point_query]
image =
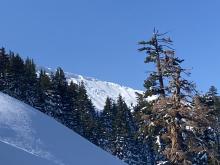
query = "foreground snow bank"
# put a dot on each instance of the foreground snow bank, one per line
(29, 137)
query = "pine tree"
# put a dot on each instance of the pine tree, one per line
(44, 88)
(211, 100)
(157, 50)
(57, 94)
(124, 128)
(177, 127)
(30, 89)
(87, 116)
(106, 121)
(15, 77)
(71, 115)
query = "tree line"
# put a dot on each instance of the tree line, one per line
(112, 129)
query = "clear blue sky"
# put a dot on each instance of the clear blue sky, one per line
(98, 38)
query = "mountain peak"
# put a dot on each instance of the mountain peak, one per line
(98, 90)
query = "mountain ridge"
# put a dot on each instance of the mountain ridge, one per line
(99, 90)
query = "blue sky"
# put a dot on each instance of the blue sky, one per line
(98, 38)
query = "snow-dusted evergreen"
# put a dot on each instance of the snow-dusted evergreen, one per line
(184, 127)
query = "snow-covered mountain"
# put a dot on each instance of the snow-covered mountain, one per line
(98, 90)
(27, 136)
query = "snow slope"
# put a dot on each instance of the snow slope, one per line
(11, 155)
(98, 90)
(29, 137)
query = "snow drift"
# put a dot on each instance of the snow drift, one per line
(27, 136)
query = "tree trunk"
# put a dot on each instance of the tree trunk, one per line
(175, 154)
(177, 82)
(159, 70)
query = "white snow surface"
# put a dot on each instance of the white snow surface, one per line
(99, 90)
(28, 136)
